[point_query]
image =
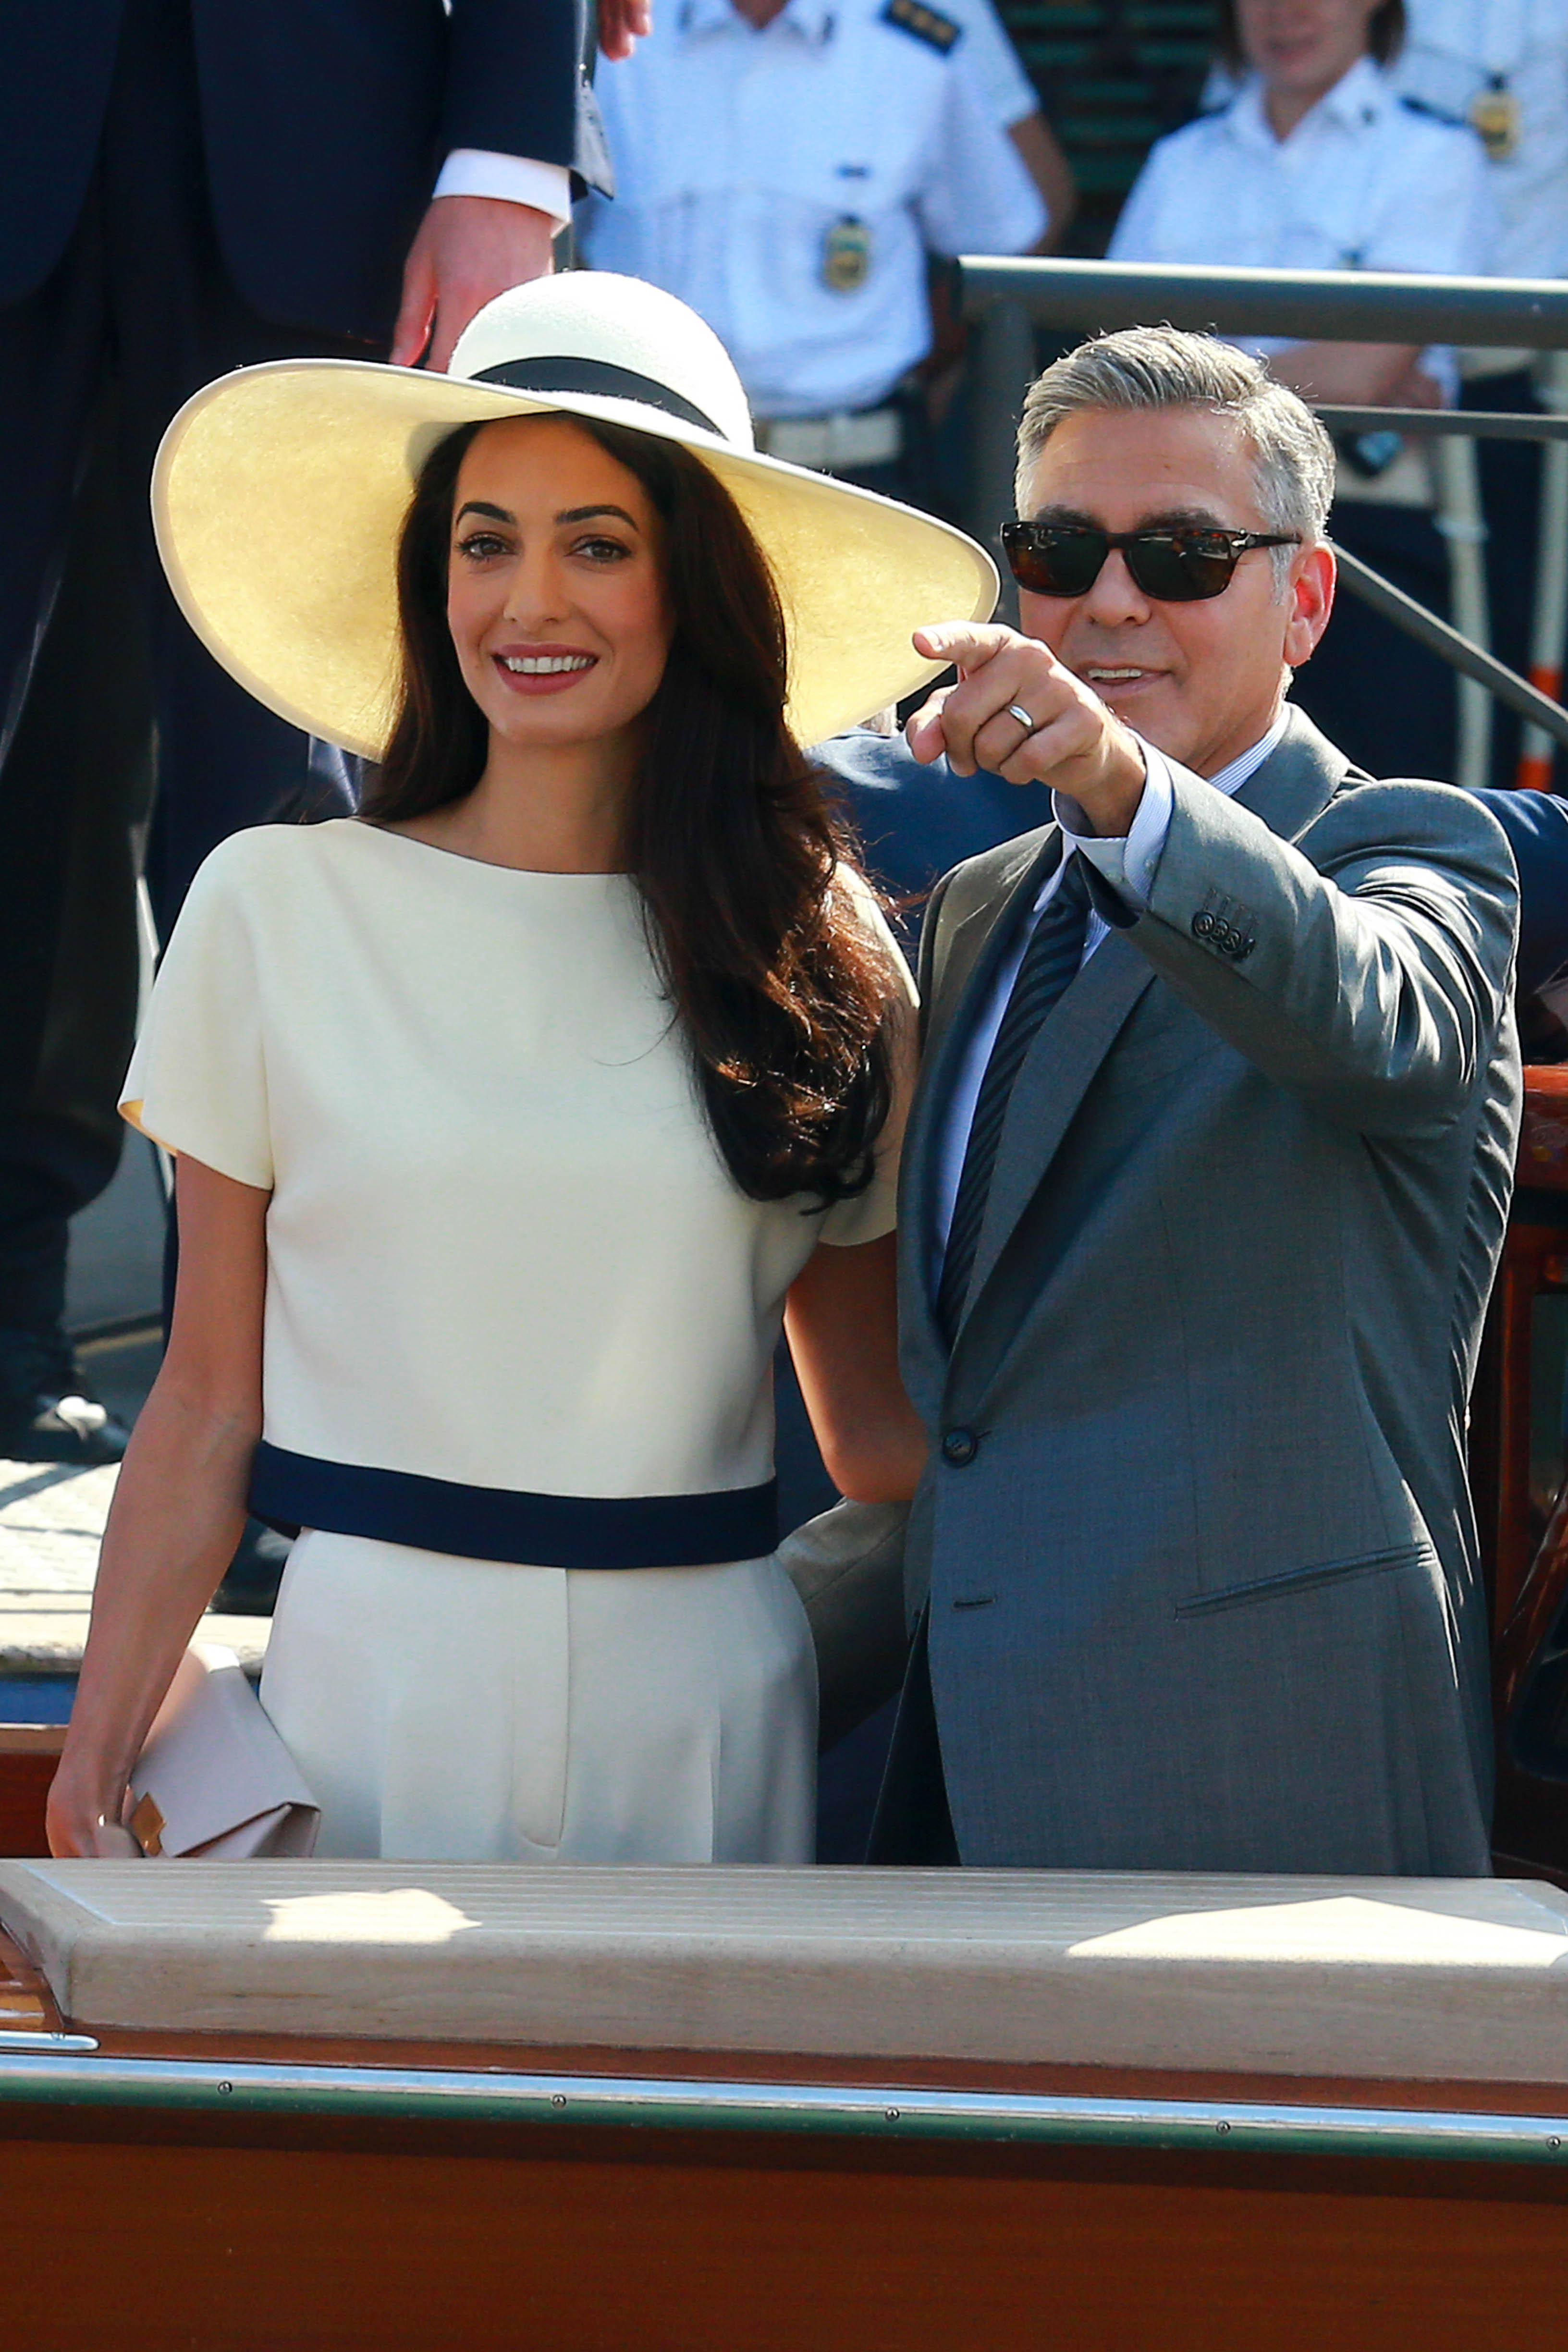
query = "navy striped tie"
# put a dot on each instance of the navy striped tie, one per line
(1050, 962)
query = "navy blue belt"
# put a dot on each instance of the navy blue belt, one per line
(296, 1490)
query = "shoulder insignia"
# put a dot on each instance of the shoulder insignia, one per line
(923, 24)
(1433, 113)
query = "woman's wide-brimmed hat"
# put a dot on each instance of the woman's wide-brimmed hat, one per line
(280, 492)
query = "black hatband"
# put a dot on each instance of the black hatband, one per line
(600, 376)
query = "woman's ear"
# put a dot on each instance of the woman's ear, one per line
(1311, 600)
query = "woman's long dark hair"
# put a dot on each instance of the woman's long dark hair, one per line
(782, 990)
(1384, 35)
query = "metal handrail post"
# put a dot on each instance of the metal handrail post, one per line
(1460, 522)
(1437, 636)
(1003, 363)
(1550, 618)
(1356, 306)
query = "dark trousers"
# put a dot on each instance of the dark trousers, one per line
(913, 1827)
(139, 306)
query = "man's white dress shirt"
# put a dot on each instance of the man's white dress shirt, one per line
(1128, 862)
(993, 62)
(788, 183)
(517, 179)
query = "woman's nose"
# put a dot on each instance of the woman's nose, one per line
(536, 589)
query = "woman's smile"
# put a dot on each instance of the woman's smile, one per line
(542, 670)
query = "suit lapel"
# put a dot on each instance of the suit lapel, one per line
(1297, 781)
(1073, 1041)
(1292, 786)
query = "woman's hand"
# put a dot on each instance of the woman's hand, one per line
(86, 1830)
(178, 1508)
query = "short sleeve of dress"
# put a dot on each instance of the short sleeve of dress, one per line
(197, 1080)
(874, 1212)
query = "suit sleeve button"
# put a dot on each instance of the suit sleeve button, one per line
(1202, 925)
(959, 1446)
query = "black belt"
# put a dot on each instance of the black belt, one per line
(296, 1490)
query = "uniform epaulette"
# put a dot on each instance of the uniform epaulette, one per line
(1433, 113)
(928, 25)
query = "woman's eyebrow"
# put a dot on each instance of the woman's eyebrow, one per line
(483, 507)
(586, 514)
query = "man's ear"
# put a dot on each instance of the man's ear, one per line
(1311, 599)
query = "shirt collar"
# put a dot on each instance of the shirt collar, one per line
(811, 20)
(1357, 100)
(1231, 777)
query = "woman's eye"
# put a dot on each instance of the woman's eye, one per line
(602, 551)
(480, 545)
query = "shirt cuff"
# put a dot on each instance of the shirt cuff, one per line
(1126, 860)
(515, 179)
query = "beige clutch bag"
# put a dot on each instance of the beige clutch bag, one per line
(214, 1780)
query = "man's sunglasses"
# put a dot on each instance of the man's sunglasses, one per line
(1181, 564)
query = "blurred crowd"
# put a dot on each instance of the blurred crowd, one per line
(182, 195)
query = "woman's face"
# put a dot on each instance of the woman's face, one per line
(555, 594)
(1302, 47)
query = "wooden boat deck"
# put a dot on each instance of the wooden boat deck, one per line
(952, 2174)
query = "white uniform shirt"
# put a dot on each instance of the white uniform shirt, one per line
(1363, 182)
(993, 60)
(740, 155)
(1460, 58)
(1128, 862)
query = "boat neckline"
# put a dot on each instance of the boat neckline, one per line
(487, 865)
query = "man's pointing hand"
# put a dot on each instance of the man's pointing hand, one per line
(1072, 742)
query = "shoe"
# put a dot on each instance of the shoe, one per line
(47, 1413)
(254, 1573)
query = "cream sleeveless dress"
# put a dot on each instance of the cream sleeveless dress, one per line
(503, 1252)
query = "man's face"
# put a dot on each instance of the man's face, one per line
(1203, 681)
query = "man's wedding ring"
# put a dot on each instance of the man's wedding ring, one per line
(1016, 710)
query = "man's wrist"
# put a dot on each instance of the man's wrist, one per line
(1110, 805)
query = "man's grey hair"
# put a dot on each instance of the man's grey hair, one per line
(1160, 367)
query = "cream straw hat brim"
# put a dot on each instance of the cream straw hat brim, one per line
(280, 492)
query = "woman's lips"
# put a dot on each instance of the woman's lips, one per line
(549, 670)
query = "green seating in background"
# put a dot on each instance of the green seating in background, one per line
(1113, 76)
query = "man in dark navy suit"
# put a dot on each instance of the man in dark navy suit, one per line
(187, 186)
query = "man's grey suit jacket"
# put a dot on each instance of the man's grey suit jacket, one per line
(1195, 1530)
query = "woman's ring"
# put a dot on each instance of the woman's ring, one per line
(1016, 710)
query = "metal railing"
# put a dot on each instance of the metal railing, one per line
(1007, 300)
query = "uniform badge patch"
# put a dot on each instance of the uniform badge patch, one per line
(1494, 113)
(928, 25)
(846, 255)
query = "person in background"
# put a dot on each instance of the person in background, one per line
(185, 187)
(785, 167)
(1318, 164)
(1501, 66)
(943, 376)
